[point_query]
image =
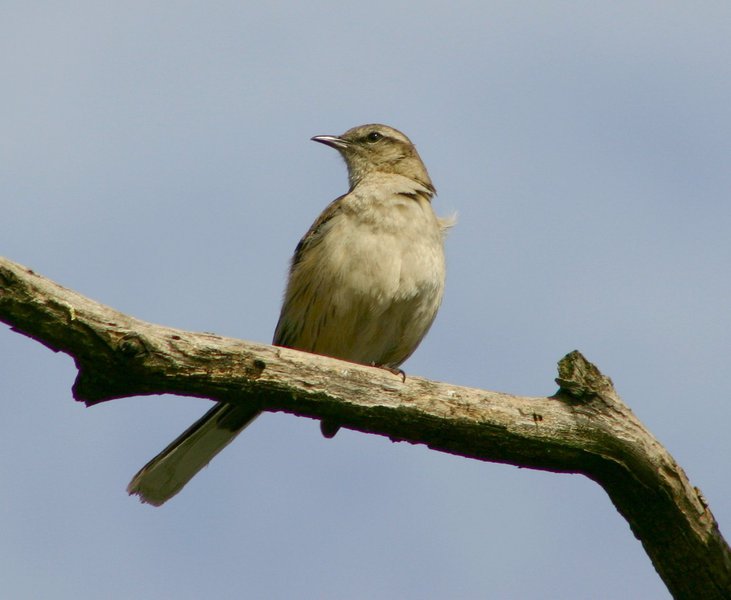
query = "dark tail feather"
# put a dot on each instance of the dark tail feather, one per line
(167, 473)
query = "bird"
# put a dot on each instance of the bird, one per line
(365, 284)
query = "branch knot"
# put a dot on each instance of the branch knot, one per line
(580, 379)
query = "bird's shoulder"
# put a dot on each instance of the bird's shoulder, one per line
(313, 233)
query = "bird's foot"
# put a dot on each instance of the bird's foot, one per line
(394, 370)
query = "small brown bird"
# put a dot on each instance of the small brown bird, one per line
(365, 284)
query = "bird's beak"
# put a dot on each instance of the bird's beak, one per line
(332, 141)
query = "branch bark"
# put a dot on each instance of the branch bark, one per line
(584, 428)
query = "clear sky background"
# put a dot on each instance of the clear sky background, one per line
(156, 157)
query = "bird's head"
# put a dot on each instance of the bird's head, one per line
(377, 149)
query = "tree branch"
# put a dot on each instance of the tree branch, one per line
(584, 428)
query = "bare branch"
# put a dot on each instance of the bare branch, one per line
(584, 428)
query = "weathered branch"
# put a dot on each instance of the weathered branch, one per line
(584, 428)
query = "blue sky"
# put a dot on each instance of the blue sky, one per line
(157, 159)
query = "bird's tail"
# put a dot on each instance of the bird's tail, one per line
(167, 473)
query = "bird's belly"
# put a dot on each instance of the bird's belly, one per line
(381, 300)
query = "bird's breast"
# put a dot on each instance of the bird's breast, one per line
(388, 251)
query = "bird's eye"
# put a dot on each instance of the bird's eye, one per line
(373, 136)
